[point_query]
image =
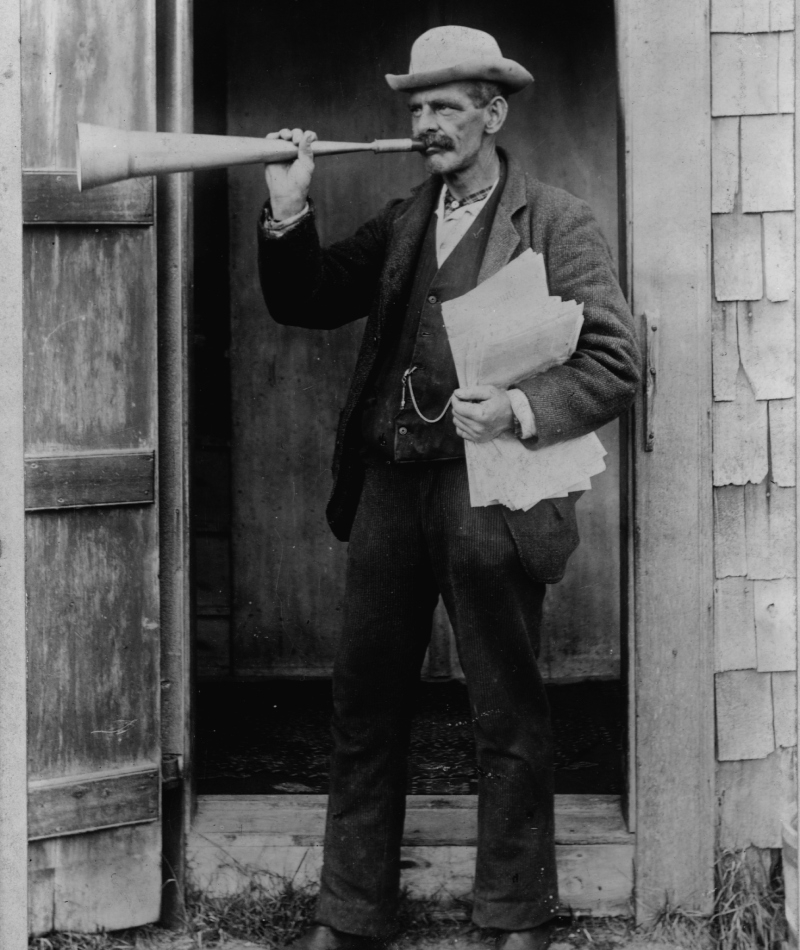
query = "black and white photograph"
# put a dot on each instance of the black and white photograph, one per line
(398, 441)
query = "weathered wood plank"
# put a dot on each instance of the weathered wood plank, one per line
(779, 252)
(730, 547)
(233, 836)
(13, 897)
(93, 644)
(784, 704)
(775, 604)
(52, 197)
(769, 513)
(786, 71)
(724, 164)
(665, 83)
(737, 257)
(781, 15)
(766, 347)
(90, 337)
(744, 715)
(753, 796)
(724, 350)
(744, 73)
(740, 438)
(431, 820)
(90, 62)
(78, 481)
(66, 806)
(595, 880)
(782, 442)
(740, 16)
(734, 625)
(106, 880)
(767, 149)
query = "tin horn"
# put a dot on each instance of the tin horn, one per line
(105, 154)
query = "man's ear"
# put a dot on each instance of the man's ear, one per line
(496, 113)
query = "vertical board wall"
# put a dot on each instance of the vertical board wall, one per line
(288, 385)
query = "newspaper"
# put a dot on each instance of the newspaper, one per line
(505, 330)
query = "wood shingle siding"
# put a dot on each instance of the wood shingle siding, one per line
(734, 634)
(782, 442)
(769, 514)
(766, 347)
(767, 163)
(740, 438)
(737, 257)
(724, 164)
(779, 250)
(752, 797)
(744, 715)
(725, 350)
(784, 704)
(775, 608)
(730, 546)
(744, 74)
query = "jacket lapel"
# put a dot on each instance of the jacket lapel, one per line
(505, 236)
(408, 230)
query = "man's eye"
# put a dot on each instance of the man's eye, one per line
(445, 110)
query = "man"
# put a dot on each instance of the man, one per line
(401, 495)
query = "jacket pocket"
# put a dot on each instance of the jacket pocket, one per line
(545, 536)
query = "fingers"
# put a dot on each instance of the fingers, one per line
(467, 411)
(475, 393)
(296, 136)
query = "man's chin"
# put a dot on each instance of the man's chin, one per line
(439, 163)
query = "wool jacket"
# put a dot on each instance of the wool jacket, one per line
(370, 274)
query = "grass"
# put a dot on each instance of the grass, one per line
(748, 915)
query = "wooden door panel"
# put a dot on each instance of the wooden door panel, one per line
(90, 440)
(83, 61)
(94, 637)
(90, 334)
(289, 384)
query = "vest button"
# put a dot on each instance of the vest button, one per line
(432, 298)
(402, 430)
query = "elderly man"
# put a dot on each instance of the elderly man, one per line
(401, 494)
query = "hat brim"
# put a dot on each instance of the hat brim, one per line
(501, 70)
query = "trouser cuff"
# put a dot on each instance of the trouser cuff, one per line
(513, 915)
(355, 918)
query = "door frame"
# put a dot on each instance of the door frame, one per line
(665, 90)
(13, 746)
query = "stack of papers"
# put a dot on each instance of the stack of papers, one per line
(505, 330)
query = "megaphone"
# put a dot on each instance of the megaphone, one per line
(105, 155)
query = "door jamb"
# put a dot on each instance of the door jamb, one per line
(13, 752)
(174, 240)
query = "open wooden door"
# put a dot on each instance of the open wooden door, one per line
(92, 531)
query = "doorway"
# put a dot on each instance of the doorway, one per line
(269, 573)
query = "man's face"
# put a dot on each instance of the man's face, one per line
(445, 119)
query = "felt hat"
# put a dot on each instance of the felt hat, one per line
(453, 53)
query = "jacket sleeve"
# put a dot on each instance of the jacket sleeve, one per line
(305, 285)
(599, 380)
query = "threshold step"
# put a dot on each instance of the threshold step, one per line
(235, 839)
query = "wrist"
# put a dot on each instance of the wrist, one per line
(283, 209)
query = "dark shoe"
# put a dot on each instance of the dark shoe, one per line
(323, 937)
(538, 938)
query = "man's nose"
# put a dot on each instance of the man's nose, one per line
(425, 121)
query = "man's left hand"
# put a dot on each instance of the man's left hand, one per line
(481, 413)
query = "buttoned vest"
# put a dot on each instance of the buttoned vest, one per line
(395, 432)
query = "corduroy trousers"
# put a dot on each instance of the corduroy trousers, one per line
(415, 537)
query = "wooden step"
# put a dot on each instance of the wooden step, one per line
(234, 838)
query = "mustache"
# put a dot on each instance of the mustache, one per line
(437, 141)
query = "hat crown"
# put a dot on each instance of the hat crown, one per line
(446, 46)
